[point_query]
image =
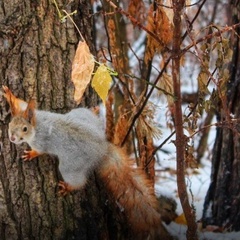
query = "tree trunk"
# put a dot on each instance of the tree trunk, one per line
(36, 54)
(222, 202)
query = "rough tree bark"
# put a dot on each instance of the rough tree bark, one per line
(222, 202)
(36, 54)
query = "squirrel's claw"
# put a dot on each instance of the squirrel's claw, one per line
(65, 188)
(29, 155)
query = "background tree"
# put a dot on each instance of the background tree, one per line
(222, 205)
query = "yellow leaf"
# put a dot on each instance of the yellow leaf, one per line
(181, 219)
(101, 82)
(203, 82)
(82, 69)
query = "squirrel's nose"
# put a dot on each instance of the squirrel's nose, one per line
(12, 138)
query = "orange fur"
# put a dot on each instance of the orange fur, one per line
(29, 155)
(134, 193)
(20, 107)
(17, 105)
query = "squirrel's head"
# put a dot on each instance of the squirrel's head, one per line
(22, 126)
(20, 130)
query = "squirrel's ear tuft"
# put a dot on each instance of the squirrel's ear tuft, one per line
(29, 113)
(14, 109)
(17, 106)
(12, 100)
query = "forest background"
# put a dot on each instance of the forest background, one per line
(173, 67)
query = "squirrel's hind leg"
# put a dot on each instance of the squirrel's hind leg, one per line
(64, 188)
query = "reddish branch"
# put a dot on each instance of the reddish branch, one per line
(178, 8)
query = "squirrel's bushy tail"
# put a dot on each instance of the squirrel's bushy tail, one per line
(133, 192)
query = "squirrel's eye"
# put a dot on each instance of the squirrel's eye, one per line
(25, 129)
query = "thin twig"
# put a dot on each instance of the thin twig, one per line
(74, 24)
(215, 34)
(195, 17)
(224, 124)
(170, 7)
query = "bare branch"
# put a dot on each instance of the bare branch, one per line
(181, 140)
(212, 35)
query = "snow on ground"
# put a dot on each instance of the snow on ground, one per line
(197, 182)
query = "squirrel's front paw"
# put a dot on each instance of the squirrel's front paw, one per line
(64, 188)
(29, 155)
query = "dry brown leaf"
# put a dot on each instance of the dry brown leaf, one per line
(166, 87)
(117, 53)
(161, 26)
(146, 123)
(82, 69)
(169, 10)
(136, 9)
(121, 129)
(110, 117)
(126, 112)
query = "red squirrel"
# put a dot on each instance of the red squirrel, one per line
(78, 139)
